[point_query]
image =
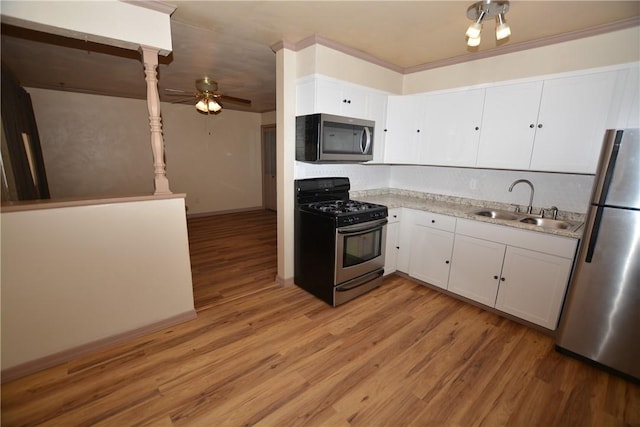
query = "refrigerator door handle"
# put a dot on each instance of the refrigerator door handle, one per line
(593, 237)
(602, 187)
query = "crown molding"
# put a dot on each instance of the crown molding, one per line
(158, 6)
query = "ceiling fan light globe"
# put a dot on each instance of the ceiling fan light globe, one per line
(213, 106)
(202, 106)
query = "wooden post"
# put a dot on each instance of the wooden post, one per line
(150, 60)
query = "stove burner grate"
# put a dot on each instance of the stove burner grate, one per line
(342, 206)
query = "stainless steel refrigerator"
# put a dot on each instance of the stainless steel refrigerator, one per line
(601, 316)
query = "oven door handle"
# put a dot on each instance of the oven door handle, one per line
(359, 228)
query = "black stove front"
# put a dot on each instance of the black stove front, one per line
(339, 243)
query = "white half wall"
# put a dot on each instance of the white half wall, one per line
(122, 24)
(75, 275)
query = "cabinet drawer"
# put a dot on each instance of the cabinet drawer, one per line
(394, 215)
(440, 222)
(532, 240)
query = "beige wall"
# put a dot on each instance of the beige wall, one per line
(612, 48)
(215, 160)
(269, 118)
(318, 59)
(98, 145)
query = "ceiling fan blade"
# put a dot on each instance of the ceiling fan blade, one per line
(235, 100)
(189, 100)
(176, 91)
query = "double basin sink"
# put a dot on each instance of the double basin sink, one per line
(536, 220)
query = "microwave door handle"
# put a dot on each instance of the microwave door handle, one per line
(367, 144)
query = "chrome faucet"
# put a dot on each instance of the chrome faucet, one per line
(526, 181)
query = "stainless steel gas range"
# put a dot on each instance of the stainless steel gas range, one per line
(339, 243)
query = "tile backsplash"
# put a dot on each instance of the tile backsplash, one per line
(569, 192)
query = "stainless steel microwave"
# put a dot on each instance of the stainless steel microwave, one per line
(328, 138)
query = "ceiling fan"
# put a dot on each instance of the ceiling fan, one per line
(208, 99)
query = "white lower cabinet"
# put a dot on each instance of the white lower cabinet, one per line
(431, 245)
(520, 272)
(475, 272)
(393, 235)
(431, 255)
(533, 285)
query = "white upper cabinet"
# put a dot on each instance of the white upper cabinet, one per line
(316, 94)
(629, 116)
(403, 138)
(452, 128)
(305, 97)
(341, 99)
(509, 125)
(574, 113)
(377, 111)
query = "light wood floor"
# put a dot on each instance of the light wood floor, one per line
(263, 355)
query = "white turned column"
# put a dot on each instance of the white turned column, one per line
(150, 60)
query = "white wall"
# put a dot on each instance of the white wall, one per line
(567, 192)
(361, 177)
(100, 146)
(72, 276)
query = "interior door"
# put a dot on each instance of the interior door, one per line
(269, 177)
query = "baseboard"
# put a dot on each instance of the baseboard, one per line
(212, 213)
(285, 283)
(65, 356)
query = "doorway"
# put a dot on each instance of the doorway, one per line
(269, 177)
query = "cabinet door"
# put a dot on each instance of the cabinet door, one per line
(305, 97)
(431, 255)
(509, 125)
(476, 267)
(377, 111)
(629, 116)
(571, 123)
(391, 248)
(534, 286)
(404, 125)
(404, 239)
(340, 99)
(452, 128)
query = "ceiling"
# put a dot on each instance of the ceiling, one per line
(230, 42)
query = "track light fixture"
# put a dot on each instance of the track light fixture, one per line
(482, 10)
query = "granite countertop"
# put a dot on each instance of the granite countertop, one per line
(462, 208)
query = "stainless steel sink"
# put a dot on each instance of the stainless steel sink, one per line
(538, 221)
(550, 223)
(497, 214)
